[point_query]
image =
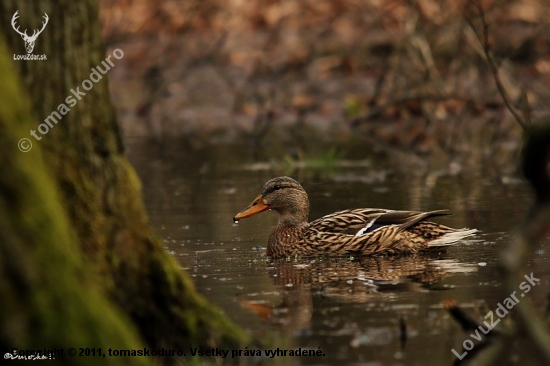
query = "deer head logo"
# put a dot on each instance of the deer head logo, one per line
(29, 40)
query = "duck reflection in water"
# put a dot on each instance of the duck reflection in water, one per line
(346, 280)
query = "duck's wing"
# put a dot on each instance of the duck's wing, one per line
(380, 240)
(362, 220)
(347, 221)
(406, 219)
(387, 239)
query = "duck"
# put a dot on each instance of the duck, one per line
(360, 231)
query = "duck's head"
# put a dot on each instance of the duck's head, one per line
(284, 195)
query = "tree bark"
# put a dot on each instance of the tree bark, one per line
(45, 288)
(98, 188)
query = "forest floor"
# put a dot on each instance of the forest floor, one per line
(307, 75)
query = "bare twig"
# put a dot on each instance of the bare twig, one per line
(525, 109)
(483, 39)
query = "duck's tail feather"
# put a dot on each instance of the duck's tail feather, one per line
(452, 237)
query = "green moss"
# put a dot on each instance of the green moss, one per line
(112, 244)
(48, 291)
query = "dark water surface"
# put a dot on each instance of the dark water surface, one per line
(368, 311)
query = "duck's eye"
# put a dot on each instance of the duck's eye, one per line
(273, 188)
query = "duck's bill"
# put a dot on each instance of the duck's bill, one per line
(254, 208)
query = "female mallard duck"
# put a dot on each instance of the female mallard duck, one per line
(361, 231)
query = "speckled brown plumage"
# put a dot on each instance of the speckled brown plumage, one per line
(364, 231)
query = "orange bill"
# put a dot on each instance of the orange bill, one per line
(254, 208)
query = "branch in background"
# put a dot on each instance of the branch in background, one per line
(535, 168)
(515, 254)
(470, 324)
(403, 334)
(535, 161)
(527, 322)
(483, 39)
(466, 322)
(263, 121)
(520, 246)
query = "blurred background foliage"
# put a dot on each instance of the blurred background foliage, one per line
(299, 78)
(279, 86)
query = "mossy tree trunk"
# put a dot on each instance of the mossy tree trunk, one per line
(49, 300)
(99, 189)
